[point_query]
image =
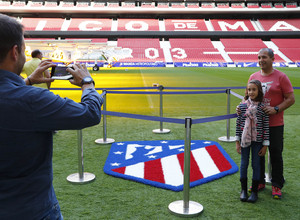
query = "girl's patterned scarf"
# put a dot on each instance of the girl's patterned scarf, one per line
(249, 131)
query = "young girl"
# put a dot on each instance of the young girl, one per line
(252, 133)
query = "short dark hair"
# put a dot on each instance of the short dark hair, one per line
(269, 51)
(11, 34)
(35, 53)
(260, 95)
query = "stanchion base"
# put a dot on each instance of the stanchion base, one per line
(163, 131)
(225, 139)
(268, 179)
(107, 141)
(87, 177)
(177, 208)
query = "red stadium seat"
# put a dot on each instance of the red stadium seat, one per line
(177, 5)
(207, 5)
(90, 24)
(291, 4)
(43, 24)
(280, 24)
(192, 5)
(252, 5)
(138, 25)
(5, 3)
(223, 5)
(148, 5)
(163, 5)
(194, 50)
(232, 25)
(289, 47)
(237, 5)
(139, 42)
(266, 5)
(185, 25)
(243, 50)
(141, 50)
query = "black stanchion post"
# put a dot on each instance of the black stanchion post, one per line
(185, 207)
(104, 140)
(81, 177)
(227, 138)
(161, 130)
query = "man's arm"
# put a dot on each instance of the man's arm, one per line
(289, 100)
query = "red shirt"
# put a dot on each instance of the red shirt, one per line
(275, 85)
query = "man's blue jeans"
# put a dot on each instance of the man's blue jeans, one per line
(255, 147)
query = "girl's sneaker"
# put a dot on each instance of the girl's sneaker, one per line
(260, 187)
(276, 192)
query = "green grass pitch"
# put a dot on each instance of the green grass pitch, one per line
(113, 198)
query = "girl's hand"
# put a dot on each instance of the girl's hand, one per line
(263, 151)
(238, 147)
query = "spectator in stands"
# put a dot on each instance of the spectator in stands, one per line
(31, 65)
(28, 115)
(252, 133)
(278, 96)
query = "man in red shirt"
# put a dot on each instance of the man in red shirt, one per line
(278, 96)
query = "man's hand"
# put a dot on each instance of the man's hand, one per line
(269, 110)
(37, 76)
(263, 151)
(78, 72)
(238, 147)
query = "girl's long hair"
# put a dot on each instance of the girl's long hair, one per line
(260, 95)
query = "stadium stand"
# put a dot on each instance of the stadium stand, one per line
(89, 24)
(280, 25)
(138, 43)
(237, 5)
(98, 4)
(46, 24)
(223, 5)
(253, 5)
(112, 4)
(163, 5)
(128, 4)
(242, 50)
(289, 47)
(141, 50)
(266, 5)
(35, 3)
(168, 30)
(138, 24)
(177, 5)
(207, 5)
(67, 4)
(192, 4)
(185, 25)
(147, 4)
(232, 25)
(83, 3)
(279, 5)
(19, 3)
(194, 50)
(4, 4)
(291, 4)
(51, 3)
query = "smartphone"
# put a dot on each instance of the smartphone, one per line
(59, 72)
